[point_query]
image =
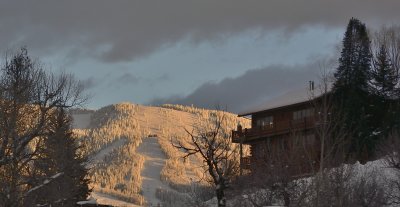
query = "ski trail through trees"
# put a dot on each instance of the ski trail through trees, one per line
(154, 162)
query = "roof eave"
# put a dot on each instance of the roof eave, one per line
(278, 108)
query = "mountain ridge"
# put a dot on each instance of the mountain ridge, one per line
(115, 131)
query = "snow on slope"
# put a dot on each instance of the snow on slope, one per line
(105, 199)
(154, 162)
(145, 121)
(371, 170)
(164, 123)
(99, 156)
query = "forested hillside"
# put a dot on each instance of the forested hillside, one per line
(114, 133)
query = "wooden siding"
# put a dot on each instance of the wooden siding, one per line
(278, 128)
(288, 141)
(283, 123)
(284, 138)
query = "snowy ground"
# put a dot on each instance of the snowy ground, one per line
(105, 199)
(154, 163)
(164, 123)
(107, 150)
(82, 121)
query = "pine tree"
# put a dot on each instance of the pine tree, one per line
(354, 63)
(384, 81)
(351, 87)
(384, 78)
(28, 96)
(61, 156)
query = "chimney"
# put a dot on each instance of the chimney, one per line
(311, 85)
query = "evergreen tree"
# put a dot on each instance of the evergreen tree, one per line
(384, 78)
(351, 87)
(29, 95)
(60, 157)
(354, 63)
(384, 81)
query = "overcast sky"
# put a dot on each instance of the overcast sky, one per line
(234, 53)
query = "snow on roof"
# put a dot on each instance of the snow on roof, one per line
(289, 98)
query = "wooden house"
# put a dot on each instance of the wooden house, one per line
(282, 129)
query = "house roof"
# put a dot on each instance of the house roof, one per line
(286, 99)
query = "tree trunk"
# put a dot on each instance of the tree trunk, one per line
(13, 194)
(286, 198)
(221, 198)
(221, 195)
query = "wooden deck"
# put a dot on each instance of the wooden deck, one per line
(277, 128)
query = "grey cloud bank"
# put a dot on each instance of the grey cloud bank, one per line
(114, 31)
(115, 46)
(250, 89)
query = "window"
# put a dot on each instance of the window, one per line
(265, 122)
(304, 113)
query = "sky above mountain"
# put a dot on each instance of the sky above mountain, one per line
(229, 53)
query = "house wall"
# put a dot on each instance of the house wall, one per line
(297, 151)
(306, 140)
(281, 116)
(291, 146)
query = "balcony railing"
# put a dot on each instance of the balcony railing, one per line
(276, 128)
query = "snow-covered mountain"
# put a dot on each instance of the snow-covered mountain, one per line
(132, 159)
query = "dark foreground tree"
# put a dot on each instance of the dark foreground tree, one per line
(351, 88)
(213, 144)
(29, 96)
(60, 156)
(389, 38)
(384, 77)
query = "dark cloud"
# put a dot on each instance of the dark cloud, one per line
(127, 78)
(89, 83)
(250, 89)
(124, 30)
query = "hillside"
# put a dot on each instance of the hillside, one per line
(131, 157)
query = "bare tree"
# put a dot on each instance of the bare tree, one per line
(277, 174)
(332, 136)
(328, 121)
(212, 143)
(28, 97)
